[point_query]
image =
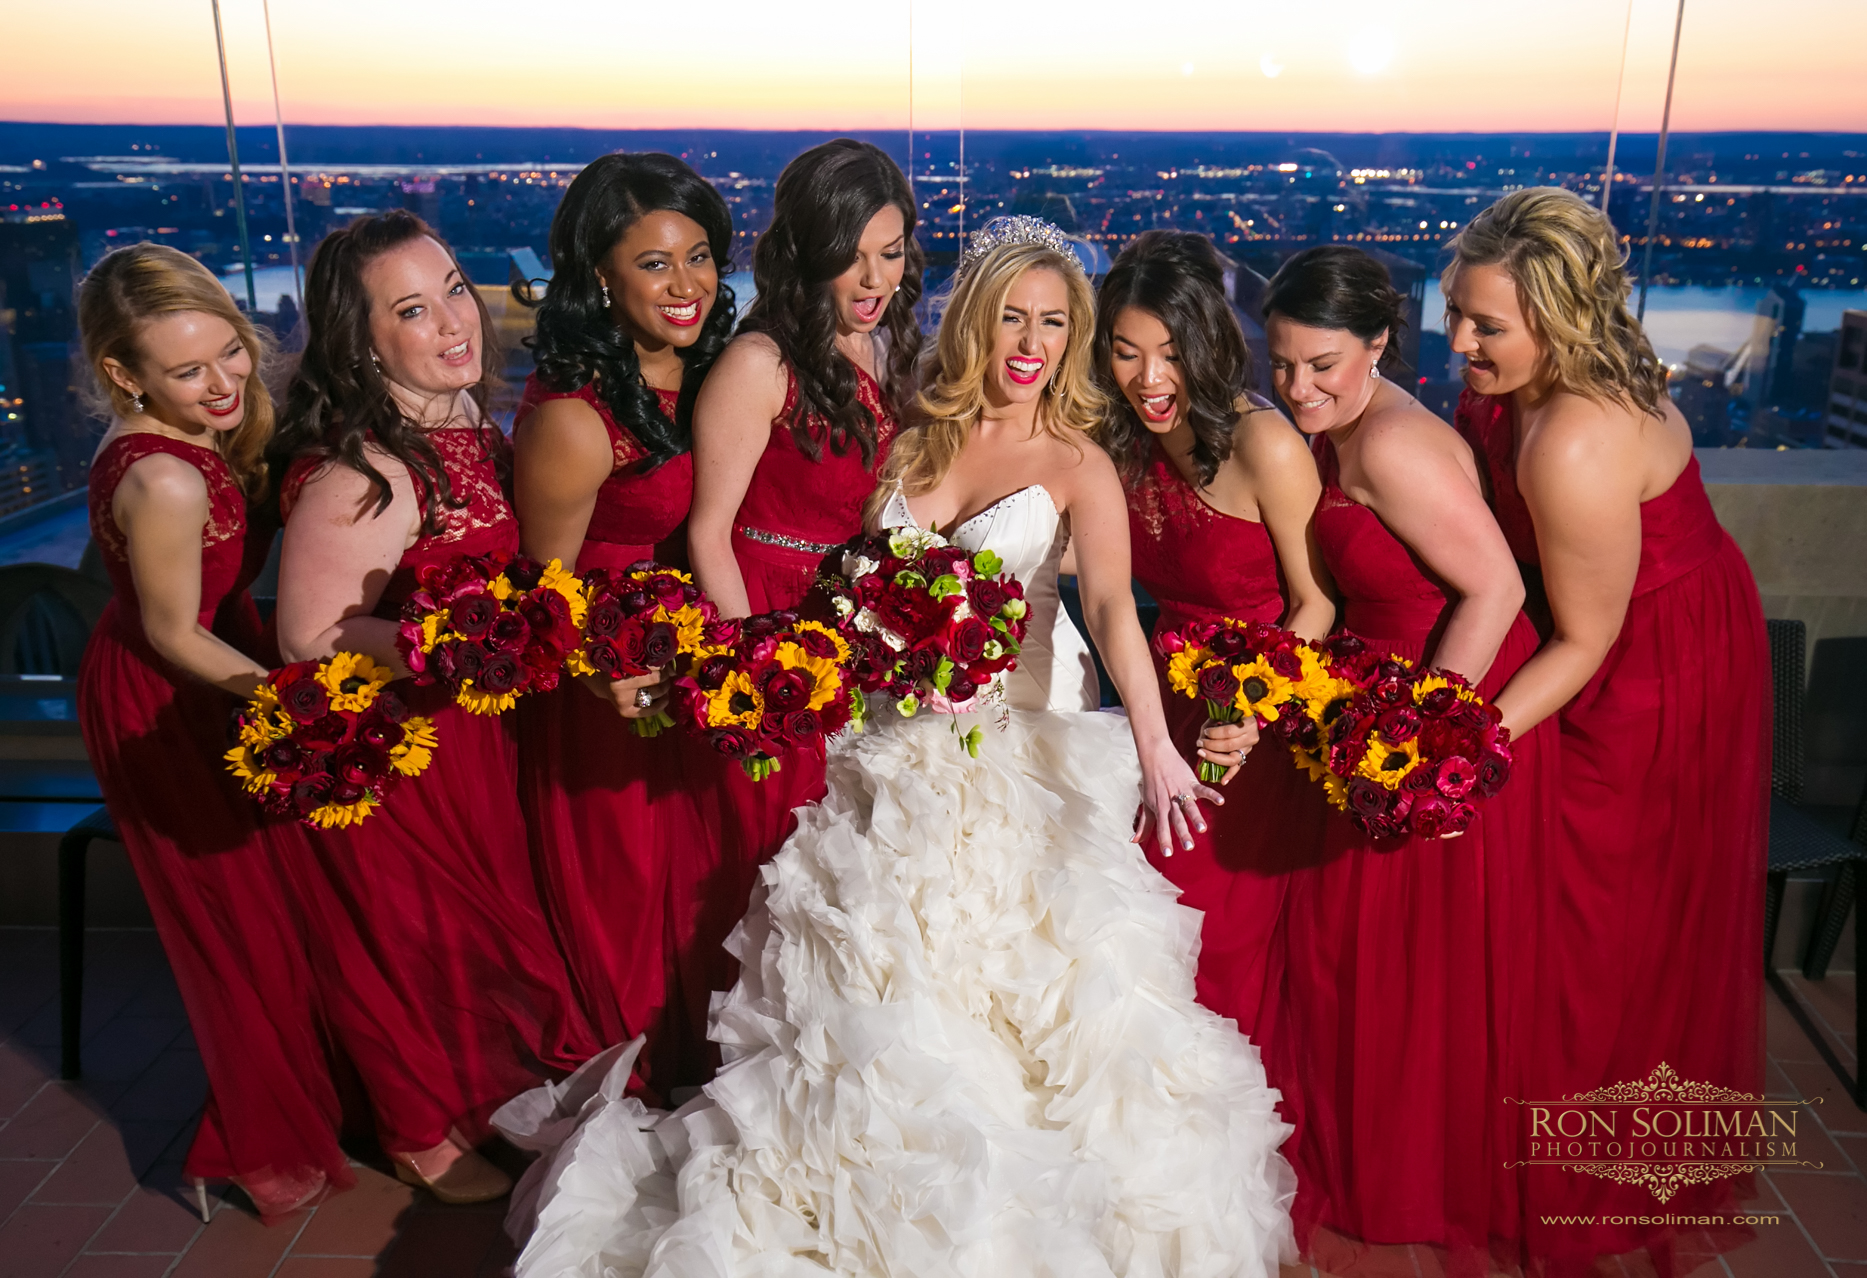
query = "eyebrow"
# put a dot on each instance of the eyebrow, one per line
(412, 296)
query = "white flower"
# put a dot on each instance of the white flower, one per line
(844, 606)
(963, 611)
(857, 566)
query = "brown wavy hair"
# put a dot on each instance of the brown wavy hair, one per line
(138, 283)
(1571, 276)
(953, 394)
(338, 403)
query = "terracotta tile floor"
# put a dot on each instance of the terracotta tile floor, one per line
(90, 1172)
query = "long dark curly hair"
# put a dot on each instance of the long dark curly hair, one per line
(1179, 278)
(823, 202)
(338, 402)
(576, 342)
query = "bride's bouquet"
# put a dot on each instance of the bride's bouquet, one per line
(928, 625)
(490, 630)
(638, 620)
(764, 685)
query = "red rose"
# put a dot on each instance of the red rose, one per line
(788, 691)
(1343, 645)
(1402, 723)
(961, 689)
(539, 617)
(524, 573)
(966, 640)
(472, 615)
(986, 596)
(734, 743)
(305, 700)
(1365, 797)
(817, 644)
(509, 632)
(1429, 815)
(389, 706)
(312, 792)
(324, 734)
(603, 657)
(1472, 715)
(1439, 703)
(919, 662)
(1218, 683)
(660, 645)
(1227, 643)
(801, 726)
(1422, 780)
(500, 672)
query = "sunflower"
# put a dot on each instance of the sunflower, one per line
(566, 584)
(1261, 690)
(825, 675)
(690, 626)
(243, 762)
(415, 751)
(1311, 763)
(1183, 668)
(431, 630)
(1388, 763)
(339, 815)
(1335, 789)
(1432, 683)
(353, 681)
(477, 701)
(1316, 684)
(736, 704)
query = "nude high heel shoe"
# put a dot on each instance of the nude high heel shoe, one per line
(465, 1178)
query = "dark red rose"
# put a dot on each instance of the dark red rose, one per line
(381, 734)
(312, 792)
(1402, 723)
(1227, 642)
(1343, 645)
(1218, 683)
(444, 661)
(920, 662)
(509, 632)
(1422, 780)
(788, 691)
(1493, 770)
(1391, 692)
(500, 673)
(1455, 778)
(637, 601)
(603, 619)
(1286, 663)
(817, 644)
(358, 764)
(961, 689)
(966, 640)
(281, 756)
(711, 673)
(305, 700)
(800, 726)
(660, 645)
(1460, 819)
(1439, 703)
(324, 734)
(468, 658)
(1429, 815)
(524, 573)
(1365, 797)
(539, 616)
(1472, 715)
(472, 615)
(734, 743)
(986, 596)
(603, 657)
(761, 626)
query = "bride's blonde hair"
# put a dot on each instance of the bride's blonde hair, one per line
(953, 385)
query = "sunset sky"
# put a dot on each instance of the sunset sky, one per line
(1338, 65)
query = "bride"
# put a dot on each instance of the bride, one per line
(964, 1042)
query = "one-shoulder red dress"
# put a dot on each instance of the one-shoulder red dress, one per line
(211, 868)
(441, 976)
(1403, 1006)
(1652, 921)
(793, 513)
(625, 850)
(1200, 564)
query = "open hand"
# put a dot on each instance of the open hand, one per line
(1170, 797)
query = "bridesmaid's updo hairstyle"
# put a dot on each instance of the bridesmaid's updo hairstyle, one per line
(576, 342)
(823, 202)
(1333, 286)
(338, 405)
(1571, 276)
(1178, 277)
(134, 285)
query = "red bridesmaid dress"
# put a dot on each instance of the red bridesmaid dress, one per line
(1403, 1003)
(214, 879)
(794, 512)
(625, 852)
(1652, 900)
(442, 979)
(1200, 564)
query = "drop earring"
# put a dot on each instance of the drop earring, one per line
(136, 404)
(1374, 370)
(605, 289)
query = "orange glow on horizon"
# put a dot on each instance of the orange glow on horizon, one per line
(1395, 66)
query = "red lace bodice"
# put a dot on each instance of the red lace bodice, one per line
(230, 557)
(1197, 562)
(484, 526)
(638, 515)
(819, 501)
(1388, 594)
(1679, 531)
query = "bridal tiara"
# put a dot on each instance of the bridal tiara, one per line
(1016, 228)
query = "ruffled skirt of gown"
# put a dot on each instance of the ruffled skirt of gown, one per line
(964, 1042)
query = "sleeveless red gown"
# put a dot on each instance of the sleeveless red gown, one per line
(443, 981)
(1200, 564)
(625, 852)
(214, 876)
(1653, 919)
(793, 513)
(1403, 1006)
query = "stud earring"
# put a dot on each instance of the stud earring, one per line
(605, 289)
(136, 404)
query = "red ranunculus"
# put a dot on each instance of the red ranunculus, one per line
(381, 734)
(1456, 777)
(1391, 692)
(358, 764)
(1493, 770)
(711, 673)
(1227, 643)
(734, 743)
(282, 756)
(509, 632)
(1439, 703)
(1429, 814)
(1460, 819)
(1402, 723)
(800, 726)
(817, 644)
(788, 691)
(312, 792)
(1286, 662)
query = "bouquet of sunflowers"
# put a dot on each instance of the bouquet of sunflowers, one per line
(639, 619)
(326, 741)
(764, 685)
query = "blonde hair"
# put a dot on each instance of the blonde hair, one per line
(139, 283)
(1570, 271)
(953, 394)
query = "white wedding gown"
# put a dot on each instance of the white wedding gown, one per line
(964, 1042)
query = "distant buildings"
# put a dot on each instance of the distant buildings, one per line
(44, 446)
(1846, 420)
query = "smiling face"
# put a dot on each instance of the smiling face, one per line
(662, 280)
(1486, 324)
(1324, 375)
(1033, 332)
(1146, 366)
(862, 292)
(424, 320)
(192, 372)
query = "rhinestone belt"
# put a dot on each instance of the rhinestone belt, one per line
(789, 543)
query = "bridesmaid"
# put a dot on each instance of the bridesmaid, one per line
(174, 648)
(443, 980)
(1650, 941)
(603, 478)
(1399, 1015)
(789, 432)
(1220, 495)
